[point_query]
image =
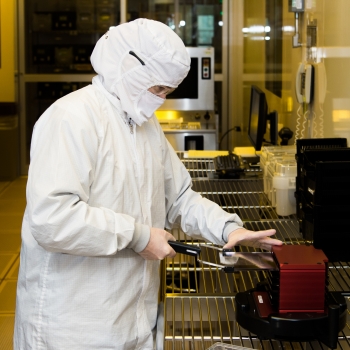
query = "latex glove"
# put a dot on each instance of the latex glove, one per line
(158, 247)
(255, 239)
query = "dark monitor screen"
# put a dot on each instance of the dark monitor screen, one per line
(189, 86)
(258, 119)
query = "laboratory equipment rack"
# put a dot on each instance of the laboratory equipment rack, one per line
(198, 301)
(322, 194)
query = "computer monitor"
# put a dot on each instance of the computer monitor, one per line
(259, 118)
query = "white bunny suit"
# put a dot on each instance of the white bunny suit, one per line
(100, 177)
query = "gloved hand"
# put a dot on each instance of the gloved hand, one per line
(158, 247)
(255, 239)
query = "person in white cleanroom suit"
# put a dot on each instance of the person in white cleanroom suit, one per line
(103, 184)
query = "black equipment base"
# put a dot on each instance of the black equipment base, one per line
(293, 326)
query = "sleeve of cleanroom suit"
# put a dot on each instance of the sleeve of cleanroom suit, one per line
(197, 216)
(63, 155)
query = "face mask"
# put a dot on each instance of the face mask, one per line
(146, 105)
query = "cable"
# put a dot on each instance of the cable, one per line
(306, 112)
(235, 128)
(297, 128)
(314, 125)
(321, 120)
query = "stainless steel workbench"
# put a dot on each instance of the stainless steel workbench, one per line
(199, 308)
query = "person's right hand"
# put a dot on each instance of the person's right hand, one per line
(158, 247)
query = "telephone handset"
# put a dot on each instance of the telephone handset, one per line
(304, 84)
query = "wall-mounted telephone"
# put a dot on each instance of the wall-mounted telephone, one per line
(304, 84)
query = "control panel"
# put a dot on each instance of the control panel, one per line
(206, 68)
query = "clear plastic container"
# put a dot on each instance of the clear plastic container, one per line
(270, 152)
(268, 177)
(283, 184)
(270, 171)
(269, 156)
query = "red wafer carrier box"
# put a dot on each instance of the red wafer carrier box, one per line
(294, 303)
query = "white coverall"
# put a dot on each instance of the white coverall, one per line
(97, 182)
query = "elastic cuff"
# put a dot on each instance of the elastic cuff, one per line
(230, 227)
(140, 238)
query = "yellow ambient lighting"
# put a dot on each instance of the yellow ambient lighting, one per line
(289, 104)
(340, 115)
(167, 115)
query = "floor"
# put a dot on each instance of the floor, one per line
(12, 205)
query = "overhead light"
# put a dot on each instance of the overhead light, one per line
(254, 29)
(257, 38)
(340, 115)
(257, 29)
(288, 29)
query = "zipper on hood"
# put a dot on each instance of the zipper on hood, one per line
(131, 125)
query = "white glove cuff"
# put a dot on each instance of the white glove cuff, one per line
(229, 227)
(140, 238)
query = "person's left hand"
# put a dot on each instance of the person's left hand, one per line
(255, 239)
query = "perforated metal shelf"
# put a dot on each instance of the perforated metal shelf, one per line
(198, 299)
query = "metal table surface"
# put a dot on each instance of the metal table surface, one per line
(199, 308)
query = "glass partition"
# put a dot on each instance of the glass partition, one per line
(197, 22)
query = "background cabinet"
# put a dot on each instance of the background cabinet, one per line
(56, 39)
